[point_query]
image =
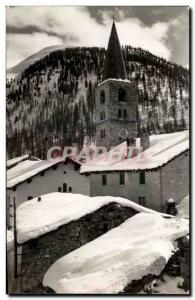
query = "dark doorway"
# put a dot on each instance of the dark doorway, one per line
(64, 187)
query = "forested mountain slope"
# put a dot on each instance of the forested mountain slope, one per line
(52, 102)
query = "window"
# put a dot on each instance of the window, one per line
(30, 197)
(64, 172)
(125, 114)
(70, 189)
(122, 95)
(120, 113)
(102, 115)
(122, 178)
(59, 189)
(102, 97)
(64, 187)
(142, 177)
(142, 201)
(104, 179)
(102, 133)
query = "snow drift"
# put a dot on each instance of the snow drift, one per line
(140, 246)
(35, 218)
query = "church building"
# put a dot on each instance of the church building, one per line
(156, 178)
(116, 101)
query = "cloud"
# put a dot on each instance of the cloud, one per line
(21, 46)
(30, 29)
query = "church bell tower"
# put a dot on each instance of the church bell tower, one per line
(116, 101)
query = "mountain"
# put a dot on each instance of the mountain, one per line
(21, 66)
(52, 101)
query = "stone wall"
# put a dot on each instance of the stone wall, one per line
(112, 123)
(39, 254)
(169, 181)
(175, 179)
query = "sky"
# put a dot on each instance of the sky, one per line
(164, 31)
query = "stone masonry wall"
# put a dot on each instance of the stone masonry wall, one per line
(112, 124)
(175, 179)
(39, 254)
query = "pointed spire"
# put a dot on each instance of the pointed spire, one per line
(114, 64)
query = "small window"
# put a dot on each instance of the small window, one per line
(102, 115)
(76, 167)
(102, 97)
(59, 189)
(142, 201)
(125, 114)
(104, 179)
(64, 187)
(102, 133)
(142, 177)
(122, 95)
(122, 178)
(120, 113)
(70, 189)
(64, 172)
(30, 197)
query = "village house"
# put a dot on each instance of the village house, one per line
(34, 177)
(55, 225)
(153, 177)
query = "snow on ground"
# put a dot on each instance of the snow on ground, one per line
(10, 240)
(35, 218)
(183, 208)
(140, 246)
(168, 286)
(163, 148)
(16, 160)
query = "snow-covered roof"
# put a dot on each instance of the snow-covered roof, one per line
(16, 160)
(68, 207)
(10, 240)
(163, 148)
(140, 246)
(29, 168)
(183, 208)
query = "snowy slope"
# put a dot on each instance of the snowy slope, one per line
(140, 246)
(20, 67)
(37, 218)
(59, 89)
